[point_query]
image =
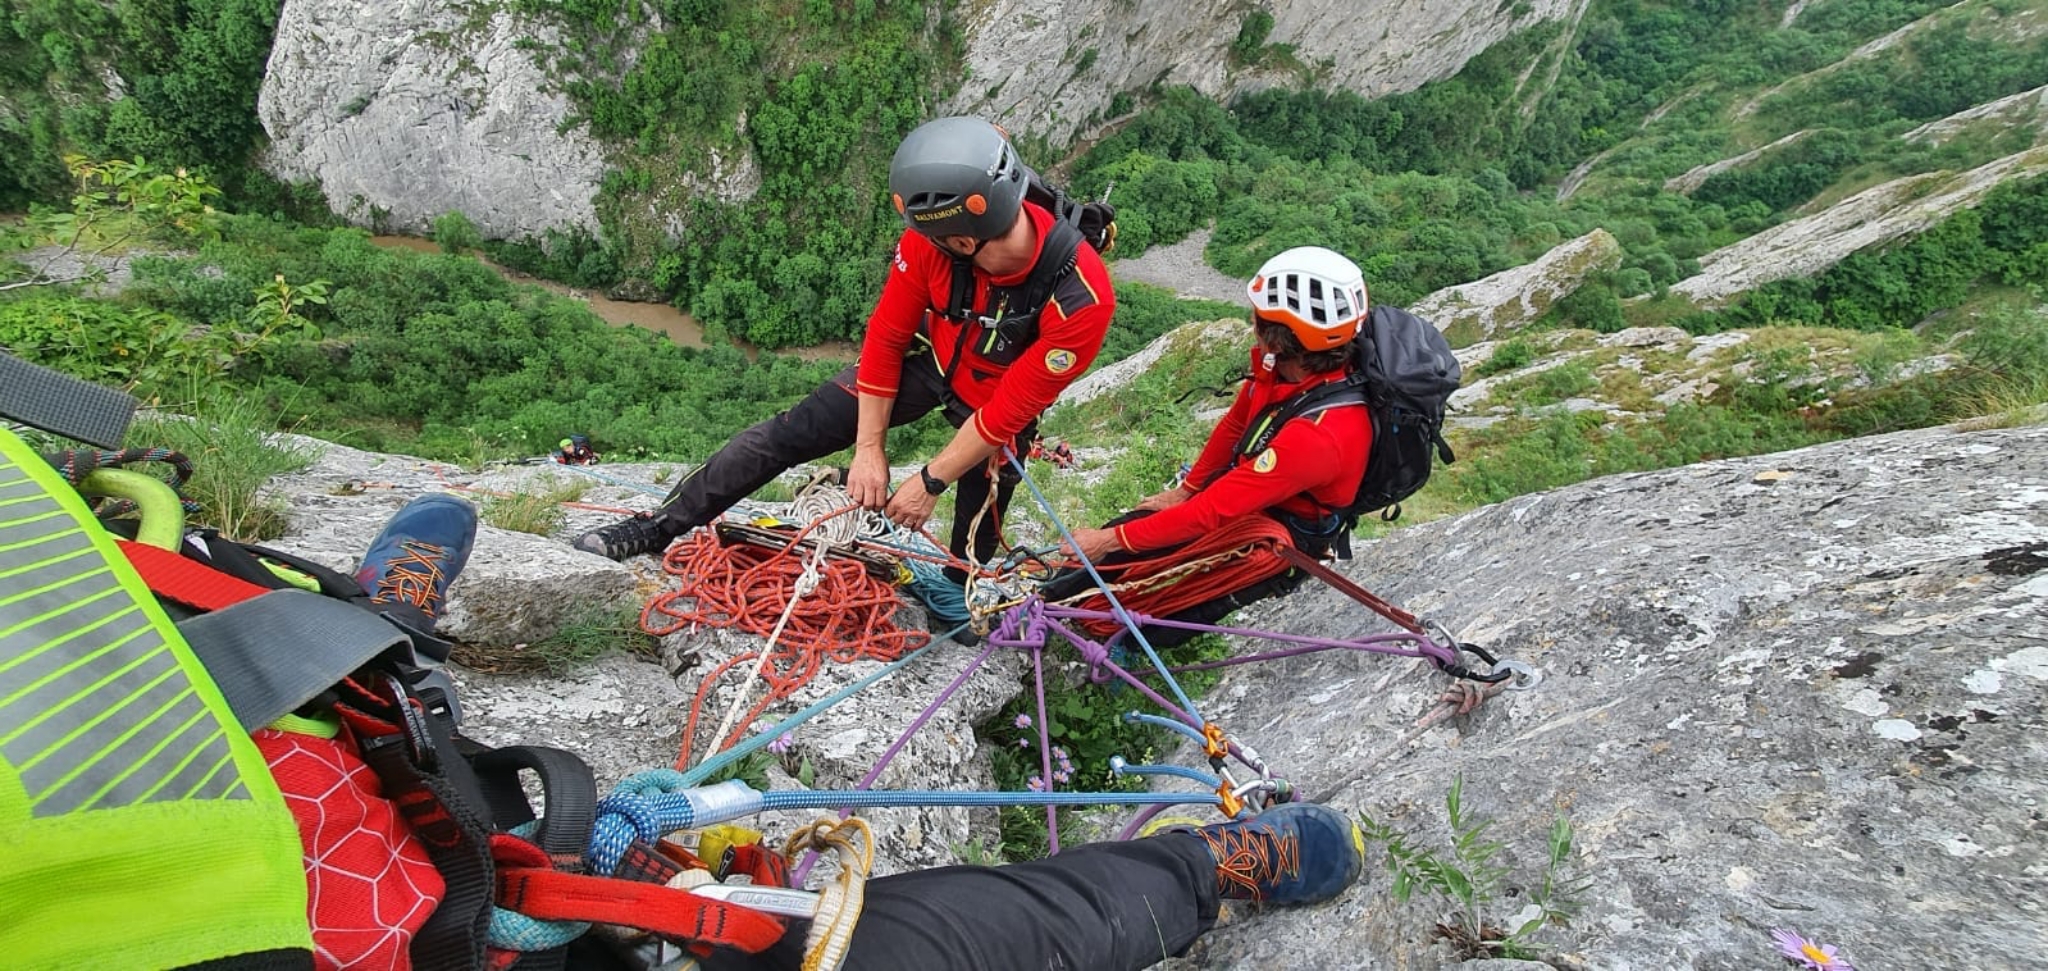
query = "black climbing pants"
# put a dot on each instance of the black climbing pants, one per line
(825, 422)
(1097, 907)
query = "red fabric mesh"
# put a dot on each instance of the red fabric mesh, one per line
(370, 885)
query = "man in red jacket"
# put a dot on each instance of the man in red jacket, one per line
(1307, 305)
(993, 369)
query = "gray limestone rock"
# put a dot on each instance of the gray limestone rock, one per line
(517, 589)
(1498, 304)
(1877, 215)
(408, 109)
(620, 714)
(1800, 690)
(1052, 67)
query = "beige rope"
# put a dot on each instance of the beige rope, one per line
(840, 903)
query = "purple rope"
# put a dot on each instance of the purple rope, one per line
(1052, 816)
(1097, 657)
(1138, 822)
(1296, 652)
(1375, 643)
(811, 858)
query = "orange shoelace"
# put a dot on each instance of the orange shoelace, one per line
(414, 576)
(1247, 858)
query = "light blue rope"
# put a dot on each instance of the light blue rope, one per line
(612, 480)
(1120, 767)
(710, 766)
(1170, 724)
(1116, 606)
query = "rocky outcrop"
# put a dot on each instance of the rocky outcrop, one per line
(1233, 334)
(1800, 690)
(1691, 179)
(1051, 66)
(408, 109)
(518, 588)
(2027, 109)
(1496, 304)
(1794, 690)
(1878, 215)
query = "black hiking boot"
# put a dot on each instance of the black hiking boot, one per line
(643, 533)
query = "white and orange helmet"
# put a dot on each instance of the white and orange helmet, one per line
(1315, 292)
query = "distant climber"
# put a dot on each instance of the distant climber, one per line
(576, 450)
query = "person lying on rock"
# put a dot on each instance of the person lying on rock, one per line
(960, 188)
(1306, 308)
(1100, 906)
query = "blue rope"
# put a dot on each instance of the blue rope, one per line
(621, 483)
(707, 768)
(1116, 606)
(1120, 767)
(1170, 724)
(942, 597)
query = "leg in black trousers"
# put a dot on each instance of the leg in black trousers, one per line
(1097, 907)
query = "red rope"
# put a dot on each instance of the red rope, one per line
(849, 617)
(1259, 538)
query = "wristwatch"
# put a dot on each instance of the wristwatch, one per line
(932, 483)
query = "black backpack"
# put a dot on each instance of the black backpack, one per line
(1404, 372)
(1012, 321)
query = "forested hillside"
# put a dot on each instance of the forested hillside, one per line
(1620, 119)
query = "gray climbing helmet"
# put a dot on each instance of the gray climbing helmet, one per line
(957, 177)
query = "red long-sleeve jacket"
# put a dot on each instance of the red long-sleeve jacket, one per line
(1311, 466)
(1005, 398)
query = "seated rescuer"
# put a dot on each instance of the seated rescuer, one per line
(1307, 305)
(960, 187)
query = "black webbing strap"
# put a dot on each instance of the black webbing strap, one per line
(569, 790)
(567, 785)
(442, 800)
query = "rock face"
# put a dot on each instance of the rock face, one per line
(1486, 308)
(1049, 66)
(409, 109)
(517, 589)
(1802, 690)
(1806, 246)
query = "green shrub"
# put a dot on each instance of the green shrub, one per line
(233, 457)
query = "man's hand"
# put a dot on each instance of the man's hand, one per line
(1165, 500)
(1092, 543)
(911, 506)
(867, 479)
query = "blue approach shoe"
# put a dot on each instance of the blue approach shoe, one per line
(1296, 853)
(419, 553)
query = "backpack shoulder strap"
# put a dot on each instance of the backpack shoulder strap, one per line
(1314, 401)
(1056, 259)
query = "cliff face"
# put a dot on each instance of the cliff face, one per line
(407, 109)
(1800, 690)
(1047, 66)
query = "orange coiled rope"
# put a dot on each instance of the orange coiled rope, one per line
(1236, 556)
(849, 617)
